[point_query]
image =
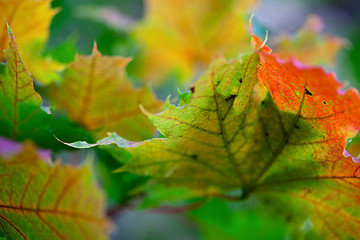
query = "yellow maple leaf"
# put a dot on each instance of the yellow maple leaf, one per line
(310, 46)
(97, 94)
(30, 21)
(43, 200)
(184, 35)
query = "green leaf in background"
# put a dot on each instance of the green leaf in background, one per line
(220, 219)
(65, 53)
(21, 114)
(116, 193)
(92, 25)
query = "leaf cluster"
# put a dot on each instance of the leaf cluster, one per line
(259, 136)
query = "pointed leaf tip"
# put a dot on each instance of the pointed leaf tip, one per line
(184, 98)
(256, 42)
(8, 27)
(168, 102)
(12, 39)
(95, 50)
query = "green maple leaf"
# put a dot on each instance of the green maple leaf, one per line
(21, 115)
(269, 128)
(40, 201)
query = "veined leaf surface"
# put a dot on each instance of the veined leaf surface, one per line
(97, 94)
(272, 128)
(21, 114)
(39, 201)
(30, 22)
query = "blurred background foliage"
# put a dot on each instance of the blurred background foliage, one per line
(79, 23)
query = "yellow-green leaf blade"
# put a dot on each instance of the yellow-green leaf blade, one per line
(265, 127)
(20, 106)
(204, 135)
(286, 140)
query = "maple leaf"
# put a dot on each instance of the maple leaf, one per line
(96, 93)
(310, 168)
(172, 42)
(308, 45)
(39, 201)
(30, 21)
(272, 128)
(21, 115)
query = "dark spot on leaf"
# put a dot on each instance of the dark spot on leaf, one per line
(240, 80)
(324, 102)
(308, 92)
(192, 89)
(263, 102)
(297, 127)
(230, 97)
(266, 134)
(194, 156)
